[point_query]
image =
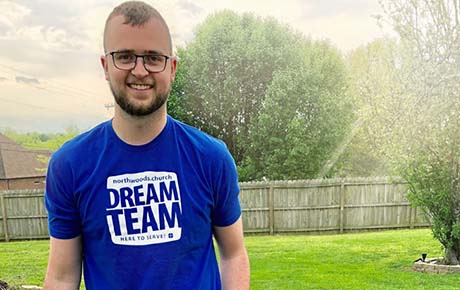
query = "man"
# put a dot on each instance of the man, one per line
(137, 199)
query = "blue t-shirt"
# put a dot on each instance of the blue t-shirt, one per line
(145, 213)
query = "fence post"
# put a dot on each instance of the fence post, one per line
(342, 206)
(411, 219)
(271, 208)
(5, 218)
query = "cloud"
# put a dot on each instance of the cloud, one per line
(49, 24)
(332, 8)
(190, 7)
(12, 15)
(346, 23)
(62, 15)
(26, 80)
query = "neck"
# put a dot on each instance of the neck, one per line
(135, 130)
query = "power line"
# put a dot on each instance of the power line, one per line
(63, 92)
(35, 106)
(30, 105)
(56, 83)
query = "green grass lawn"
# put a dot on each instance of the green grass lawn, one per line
(377, 260)
(23, 263)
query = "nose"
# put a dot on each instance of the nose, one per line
(139, 70)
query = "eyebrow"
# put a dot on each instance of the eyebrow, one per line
(153, 52)
(144, 52)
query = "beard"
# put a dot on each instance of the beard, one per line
(139, 111)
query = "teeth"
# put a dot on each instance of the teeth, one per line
(140, 86)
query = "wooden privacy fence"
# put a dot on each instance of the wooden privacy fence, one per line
(312, 206)
(22, 215)
(328, 205)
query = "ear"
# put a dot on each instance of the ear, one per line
(105, 66)
(173, 69)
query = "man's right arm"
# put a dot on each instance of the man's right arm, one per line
(64, 264)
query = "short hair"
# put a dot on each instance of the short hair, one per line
(136, 13)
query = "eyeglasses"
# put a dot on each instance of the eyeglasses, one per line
(126, 60)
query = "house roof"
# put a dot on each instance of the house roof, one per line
(17, 162)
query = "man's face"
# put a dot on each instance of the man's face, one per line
(138, 92)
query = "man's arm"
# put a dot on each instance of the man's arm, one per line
(234, 261)
(64, 264)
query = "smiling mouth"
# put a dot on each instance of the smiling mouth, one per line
(140, 87)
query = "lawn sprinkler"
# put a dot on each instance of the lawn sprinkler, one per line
(423, 257)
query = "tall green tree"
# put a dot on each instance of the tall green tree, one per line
(225, 71)
(305, 114)
(375, 72)
(177, 101)
(429, 143)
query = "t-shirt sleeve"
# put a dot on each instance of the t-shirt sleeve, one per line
(227, 208)
(63, 215)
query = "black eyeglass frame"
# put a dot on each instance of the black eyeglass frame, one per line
(112, 53)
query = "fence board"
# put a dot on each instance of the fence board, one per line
(4, 231)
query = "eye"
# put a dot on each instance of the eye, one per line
(124, 57)
(153, 58)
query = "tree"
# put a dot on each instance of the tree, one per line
(428, 146)
(42, 141)
(433, 174)
(375, 74)
(177, 104)
(225, 71)
(306, 112)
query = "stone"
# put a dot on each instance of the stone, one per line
(31, 287)
(442, 269)
(455, 269)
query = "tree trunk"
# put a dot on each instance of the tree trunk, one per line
(451, 256)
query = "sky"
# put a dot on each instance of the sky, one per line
(50, 73)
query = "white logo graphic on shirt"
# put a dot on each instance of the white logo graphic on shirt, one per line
(144, 208)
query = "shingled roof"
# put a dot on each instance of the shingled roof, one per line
(17, 162)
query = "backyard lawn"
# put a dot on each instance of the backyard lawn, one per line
(374, 260)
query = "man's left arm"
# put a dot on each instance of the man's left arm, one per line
(234, 261)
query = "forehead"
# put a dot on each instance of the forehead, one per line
(150, 36)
